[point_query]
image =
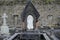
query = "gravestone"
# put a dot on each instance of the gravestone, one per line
(4, 27)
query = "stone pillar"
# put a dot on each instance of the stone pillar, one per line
(15, 20)
(50, 20)
(37, 25)
(23, 26)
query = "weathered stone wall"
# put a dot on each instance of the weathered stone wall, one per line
(44, 11)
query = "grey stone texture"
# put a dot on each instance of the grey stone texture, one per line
(44, 11)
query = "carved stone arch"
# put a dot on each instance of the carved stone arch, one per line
(30, 22)
(34, 21)
(30, 10)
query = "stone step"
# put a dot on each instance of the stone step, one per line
(28, 36)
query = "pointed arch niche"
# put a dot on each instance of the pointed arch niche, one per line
(30, 20)
(30, 14)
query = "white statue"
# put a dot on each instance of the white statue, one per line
(4, 27)
(30, 22)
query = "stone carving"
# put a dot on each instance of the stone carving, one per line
(30, 22)
(4, 27)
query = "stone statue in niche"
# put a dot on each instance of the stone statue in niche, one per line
(30, 22)
(30, 16)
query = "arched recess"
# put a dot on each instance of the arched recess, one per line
(30, 22)
(34, 21)
(30, 10)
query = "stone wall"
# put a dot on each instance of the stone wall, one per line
(44, 11)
